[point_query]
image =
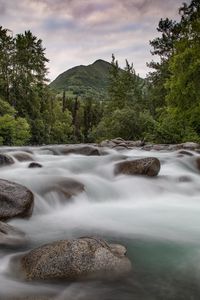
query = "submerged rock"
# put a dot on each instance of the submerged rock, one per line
(75, 259)
(6, 160)
(149, 166)
(198, 163)
(15, 200)
(80, 149)
(184, 152)
(23, 156)
(67, 186)
(10, 236)
(34, 165)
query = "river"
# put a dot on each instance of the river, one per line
(157, 219)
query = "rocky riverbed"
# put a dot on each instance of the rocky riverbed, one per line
(118, 220)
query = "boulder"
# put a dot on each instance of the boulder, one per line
(5, 160)
(23, 156)
(34, 165)
(119, 142)
(184, 152)
(190, 146)
(10, 236)
(198, 163)
(15, 200)
(107, 143)
(149, 166)
(67, 186)
(135, 144)
(80, 149)
(81, 258)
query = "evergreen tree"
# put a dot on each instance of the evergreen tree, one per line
(6, 62)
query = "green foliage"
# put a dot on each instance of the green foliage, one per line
(102, 101)
(14, 131)
(173, 127)
(175, 83)
(126, 123)
(6, 108)
(61, 129)
(125, 87)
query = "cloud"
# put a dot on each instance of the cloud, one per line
(81, 31)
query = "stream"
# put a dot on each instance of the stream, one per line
(156, 218)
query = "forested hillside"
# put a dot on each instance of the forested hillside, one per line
(90, 80)
(100, 101)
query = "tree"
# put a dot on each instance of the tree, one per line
(184, 83)
(6, 62)
(13, 131)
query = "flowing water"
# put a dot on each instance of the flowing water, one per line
(157, 219)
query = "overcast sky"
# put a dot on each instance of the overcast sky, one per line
(78, 32)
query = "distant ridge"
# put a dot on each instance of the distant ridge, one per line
(91, 79)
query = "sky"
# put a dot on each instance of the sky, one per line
(78, 32)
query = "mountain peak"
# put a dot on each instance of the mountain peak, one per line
(93, 78)
(100, 61)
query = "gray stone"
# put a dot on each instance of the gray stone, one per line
(15, 200)
(10, 236)
(88, 150)
(6, 160)
(81, 258)
(23, 156)
(67, 186)
(198, 163)
(34, 165)
(149, 166)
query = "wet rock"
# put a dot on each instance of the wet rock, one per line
(184, 152)
(80, 149)
(185, 179)
(171, 147)
(67, 186)
(118, 143)
(121, 145)
(198, 163)
(75, 259)
(10, 236)
(118, 140)
(190, 145)
(15, 200)
(5, 160)
(134, 144)
(34, 165)
(23, 156)
(147, 147)
(107, 143)
(149, 166)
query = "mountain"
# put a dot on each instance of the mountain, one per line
(91, 79)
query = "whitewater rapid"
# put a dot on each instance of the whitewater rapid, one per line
(158, 219)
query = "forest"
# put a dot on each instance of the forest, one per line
(162, 108)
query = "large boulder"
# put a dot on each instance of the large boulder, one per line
(5, 160)
(75, 259)
(10, 236)
(149, 166)
(15, 200)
